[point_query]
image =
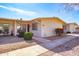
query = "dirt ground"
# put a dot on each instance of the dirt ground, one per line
(12, 43)
(14, 46)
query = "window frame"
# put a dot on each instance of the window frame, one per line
(34, 26)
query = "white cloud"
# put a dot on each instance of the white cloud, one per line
(74, 6)
(24, 12)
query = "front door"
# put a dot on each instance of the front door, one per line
(28, 28)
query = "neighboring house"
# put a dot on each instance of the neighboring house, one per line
(71, 27)
(41, 27)
(77, 29)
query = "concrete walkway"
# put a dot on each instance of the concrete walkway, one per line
(29, 51)
(39, 48)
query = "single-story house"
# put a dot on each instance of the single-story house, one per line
(71, 27)
(77, 29)
(42, 27)
(45, 27)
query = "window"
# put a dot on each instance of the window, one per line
(34, 26)
(4, 28)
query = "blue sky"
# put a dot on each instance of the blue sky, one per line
(28, 11)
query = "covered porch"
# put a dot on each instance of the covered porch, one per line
(11, 26)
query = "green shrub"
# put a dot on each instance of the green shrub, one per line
(21, 34)
(28, 35)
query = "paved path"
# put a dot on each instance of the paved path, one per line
(39, 48)
(29, 51)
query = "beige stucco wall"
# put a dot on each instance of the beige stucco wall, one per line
(38, 31)
(71, 28)
(48, 27)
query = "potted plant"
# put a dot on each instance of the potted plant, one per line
(59, 31)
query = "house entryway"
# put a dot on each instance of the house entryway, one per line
(28, 28)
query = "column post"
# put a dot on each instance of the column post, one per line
(15, 29)
(10, 29)
(26, 27)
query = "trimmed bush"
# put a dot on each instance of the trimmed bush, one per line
(28, 35)
(21, 34)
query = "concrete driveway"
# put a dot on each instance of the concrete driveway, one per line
(70, 48)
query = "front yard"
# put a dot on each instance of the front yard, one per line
(63, 46)
(10, 43)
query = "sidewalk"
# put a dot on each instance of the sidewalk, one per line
(39, 48)
(29, 51)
